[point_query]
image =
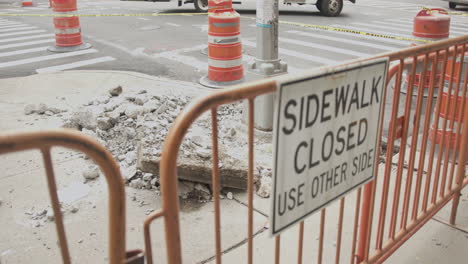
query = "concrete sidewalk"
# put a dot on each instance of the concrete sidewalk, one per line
(23, 194)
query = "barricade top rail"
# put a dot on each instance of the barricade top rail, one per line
(249, 91)
(44, 141)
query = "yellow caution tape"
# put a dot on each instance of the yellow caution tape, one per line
(102, 15)
(348, 31)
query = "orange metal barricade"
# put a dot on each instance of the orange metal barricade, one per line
(45, 141)
(410, 191)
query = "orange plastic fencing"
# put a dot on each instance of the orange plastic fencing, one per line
(412, 183)
(45, 141)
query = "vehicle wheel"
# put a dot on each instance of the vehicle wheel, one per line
(331, 8)
(319, 5)
(201, 5)
(452, 5)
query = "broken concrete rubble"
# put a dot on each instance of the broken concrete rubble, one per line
(91, 173)
(116, 91)
(133, 126)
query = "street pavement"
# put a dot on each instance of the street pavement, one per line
(169, 43)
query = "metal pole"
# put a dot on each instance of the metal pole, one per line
(267, 63)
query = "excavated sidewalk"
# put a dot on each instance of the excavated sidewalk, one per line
(27, 227)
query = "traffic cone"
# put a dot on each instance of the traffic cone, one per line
(224, 49)
(67, 27)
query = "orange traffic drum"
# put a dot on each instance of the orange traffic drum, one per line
(432, 24)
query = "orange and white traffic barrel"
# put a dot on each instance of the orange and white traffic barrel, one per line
(218, 4)
(215, 5)
(26, 3)
(67, 27)
(451, 106)
(224, 49)
(429, 25)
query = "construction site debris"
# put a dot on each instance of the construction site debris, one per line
(132, 125)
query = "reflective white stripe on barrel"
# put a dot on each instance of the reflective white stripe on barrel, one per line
(225, 63)
(223, 40)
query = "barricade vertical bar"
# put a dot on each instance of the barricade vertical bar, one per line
(451, 114)
(215, 182)
(442, 146)
(250, 178)
(147, 235)
(300, 243)
(427, 119)
(388, 165)
(170, 202)
(340, 230)
(436, 123)
(404, 137)
(460, 127)
(322, 230)
(414, 142)
(355, 229)
(462, 159)
(277, 249)
(56, 205)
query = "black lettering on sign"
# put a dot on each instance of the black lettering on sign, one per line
(289, 115)
(298, 169)
(341, 98)
(309, 122)
(374, 90)
(325, 104)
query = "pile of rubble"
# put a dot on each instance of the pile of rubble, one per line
(132, 125)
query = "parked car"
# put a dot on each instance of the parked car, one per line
(329, 8)
(454, 3)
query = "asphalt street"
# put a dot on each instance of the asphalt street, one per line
(162, 39)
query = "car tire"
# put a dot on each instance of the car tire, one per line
(331, 8)
(201, 5)
(452, 5)
(319, 5)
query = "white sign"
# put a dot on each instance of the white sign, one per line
(326, 135)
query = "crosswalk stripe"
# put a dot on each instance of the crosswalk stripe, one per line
(27, 37)
(25, 51)
(9, 23)
(47, 57)
(18, 28)
(324, 47)
(29, 43)
(74, 65)
(348, 41)
(300, 55)
(22, 33)
(13, 26)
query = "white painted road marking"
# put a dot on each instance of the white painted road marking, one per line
(324, 47)
(74, 65)
(172, 24)
(22, 33)
(47, 57)
(18, 28)
(14, 25)
(18, 52)
(300, 55)
(28, 37)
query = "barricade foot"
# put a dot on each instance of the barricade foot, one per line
(205, 81)
(69, 49)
